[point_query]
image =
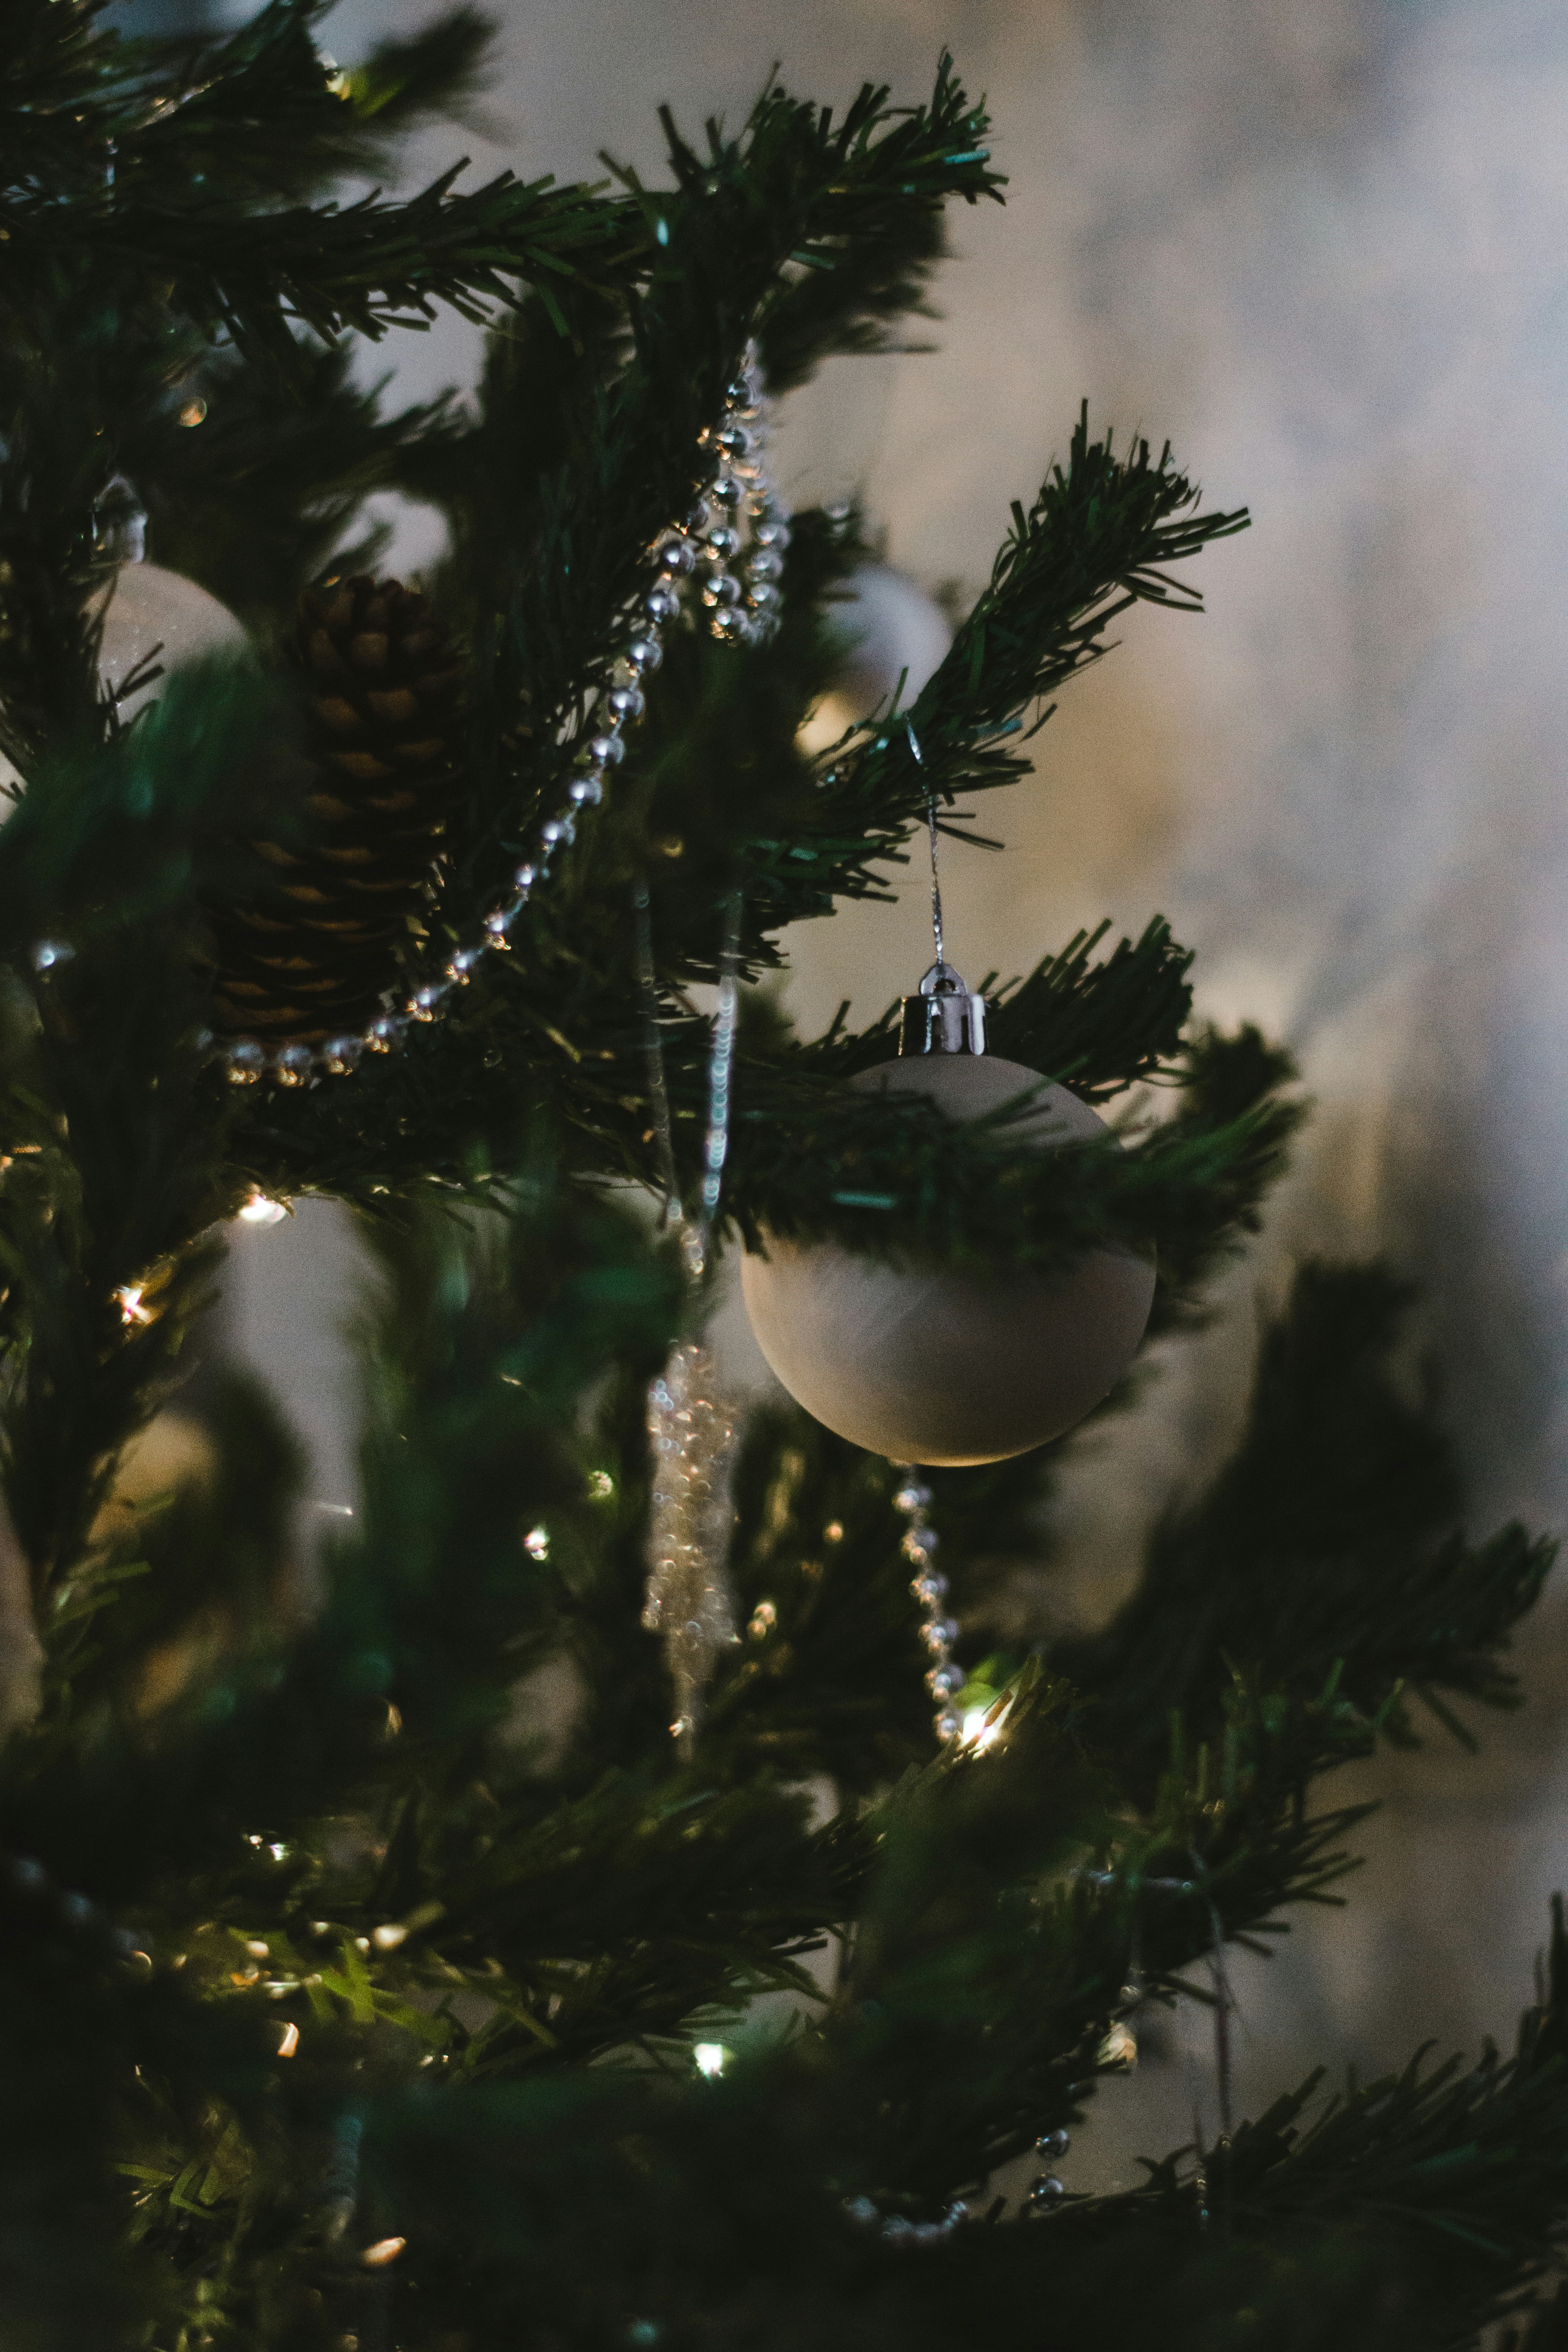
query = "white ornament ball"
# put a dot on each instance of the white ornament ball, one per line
(149, 615)
(891, 628)
(951, 1369)
(152, 614)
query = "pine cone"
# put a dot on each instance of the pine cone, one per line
(384, 688)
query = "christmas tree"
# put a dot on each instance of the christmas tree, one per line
(360, 1989)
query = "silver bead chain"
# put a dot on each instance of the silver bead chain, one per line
(920, 1547)
(729, 551)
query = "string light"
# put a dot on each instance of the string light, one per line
(709, 2058)
(260, 1211)
(131, 1310)
(384, 2251)
(290, 2041)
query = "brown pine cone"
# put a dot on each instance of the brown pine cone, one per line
(385, 694)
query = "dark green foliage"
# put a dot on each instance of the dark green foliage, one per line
(1323, 1560)
(364, 1896)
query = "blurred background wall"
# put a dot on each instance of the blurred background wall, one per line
(1324, 249)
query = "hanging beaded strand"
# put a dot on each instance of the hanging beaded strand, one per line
(729, 551)
(938, 1632)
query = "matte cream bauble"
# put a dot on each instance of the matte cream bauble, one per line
(951, 1369)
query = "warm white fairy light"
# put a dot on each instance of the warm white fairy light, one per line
(260, 1211)
(709, 2058)
(978, 1732)
(290, 2041)
(132, 1309)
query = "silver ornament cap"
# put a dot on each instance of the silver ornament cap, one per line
(944, 1018)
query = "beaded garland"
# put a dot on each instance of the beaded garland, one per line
(938, 1632)
(730, 549)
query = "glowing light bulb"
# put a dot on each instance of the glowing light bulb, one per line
(260, 1211)
(384, 2251)
(130, 1308)
(290, 2041)
(709, 2058)
(536, 1543)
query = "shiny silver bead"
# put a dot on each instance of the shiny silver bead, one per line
(772, 531)
(661, 604)
(734, 625)
(765, 596)
(945, 1682)
(734, 440)
(589, 788)
(426, 1003)
(931, 1588)
(460, 970)
(912, 1497)
(560, 828)
(643, 654)
(956, 2215)
(938, 1633)
(625, 703)
(724, 541)
(722, 588)
(245, 1063)
(947, 1725)
(766, 563)
(1044, 2192)
(291, 1065)
(677, 557)
(726, 491)
(497, 922)
(523, 880)
(605, 750)
(698, 519)
(919, 1543)
(385, 1032)
(341, 1054)
(1053, 2145)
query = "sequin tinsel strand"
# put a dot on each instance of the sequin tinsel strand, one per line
(727, 555)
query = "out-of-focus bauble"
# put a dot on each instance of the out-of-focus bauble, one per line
(158, 616)
(889, 629)
(149, 616)
(951, 1369)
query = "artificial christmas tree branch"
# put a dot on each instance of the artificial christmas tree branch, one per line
(352, 1989)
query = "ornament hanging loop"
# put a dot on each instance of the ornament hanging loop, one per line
(945, 1017)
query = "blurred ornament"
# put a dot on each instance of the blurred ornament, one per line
(158, 619)
(890, 629)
